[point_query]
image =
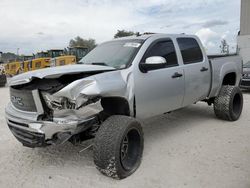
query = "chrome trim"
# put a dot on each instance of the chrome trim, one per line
(38, 102)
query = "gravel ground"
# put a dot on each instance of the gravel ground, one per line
(187, 148)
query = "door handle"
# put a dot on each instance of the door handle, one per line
(177, 75)
(203, 69)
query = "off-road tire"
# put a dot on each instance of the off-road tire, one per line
(229, 103)
(109, 142)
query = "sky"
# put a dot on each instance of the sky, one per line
(35, 25)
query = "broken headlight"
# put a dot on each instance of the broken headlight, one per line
(62, 103)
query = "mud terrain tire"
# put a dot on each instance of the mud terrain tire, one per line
(229, 103)
(118, 146)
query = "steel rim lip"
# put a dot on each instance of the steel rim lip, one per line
(124, 148)
(130, 149)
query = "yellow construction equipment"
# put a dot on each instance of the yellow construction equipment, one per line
(70, 56)
(38, 61)
(11, 69)
(51, 58)
(25, 64)
(6, 68)
(54, 54)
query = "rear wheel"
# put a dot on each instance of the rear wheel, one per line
(118, 146)
(229, 103)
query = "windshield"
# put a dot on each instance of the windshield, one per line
(117, 54)
(247, 65)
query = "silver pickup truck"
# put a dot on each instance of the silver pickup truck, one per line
(113, 87)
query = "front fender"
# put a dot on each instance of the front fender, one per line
(104, 84)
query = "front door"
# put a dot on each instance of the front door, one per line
(160, 90)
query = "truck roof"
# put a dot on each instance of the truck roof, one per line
(146, 36)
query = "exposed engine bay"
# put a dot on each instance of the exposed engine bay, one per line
(60, 107)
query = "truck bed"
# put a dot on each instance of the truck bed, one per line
(222, 65)
(213, 56)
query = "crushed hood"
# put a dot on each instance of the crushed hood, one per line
(56, 72)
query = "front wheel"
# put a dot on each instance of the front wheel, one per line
(229, 103)
(118, 146)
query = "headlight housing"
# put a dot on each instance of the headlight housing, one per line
(55, 103)
(62, 103)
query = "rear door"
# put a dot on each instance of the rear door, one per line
(196, 69)
(159, 90)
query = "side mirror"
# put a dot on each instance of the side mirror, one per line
(153, 63)
(154, 60)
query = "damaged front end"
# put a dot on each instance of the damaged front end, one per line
(48, 110)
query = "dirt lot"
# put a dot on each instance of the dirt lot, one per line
(188, 148)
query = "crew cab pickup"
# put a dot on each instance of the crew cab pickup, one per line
(113, 88)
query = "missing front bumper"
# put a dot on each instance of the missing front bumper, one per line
(28, 138)
(32, 133)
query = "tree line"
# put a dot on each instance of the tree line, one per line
(91, 43)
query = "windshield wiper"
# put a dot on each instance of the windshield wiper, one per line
(99, 63)
(95, 63)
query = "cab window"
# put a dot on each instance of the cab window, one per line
(190, 50)
(164, 49)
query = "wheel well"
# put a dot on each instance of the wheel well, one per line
(229, 79)
(115, 106)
